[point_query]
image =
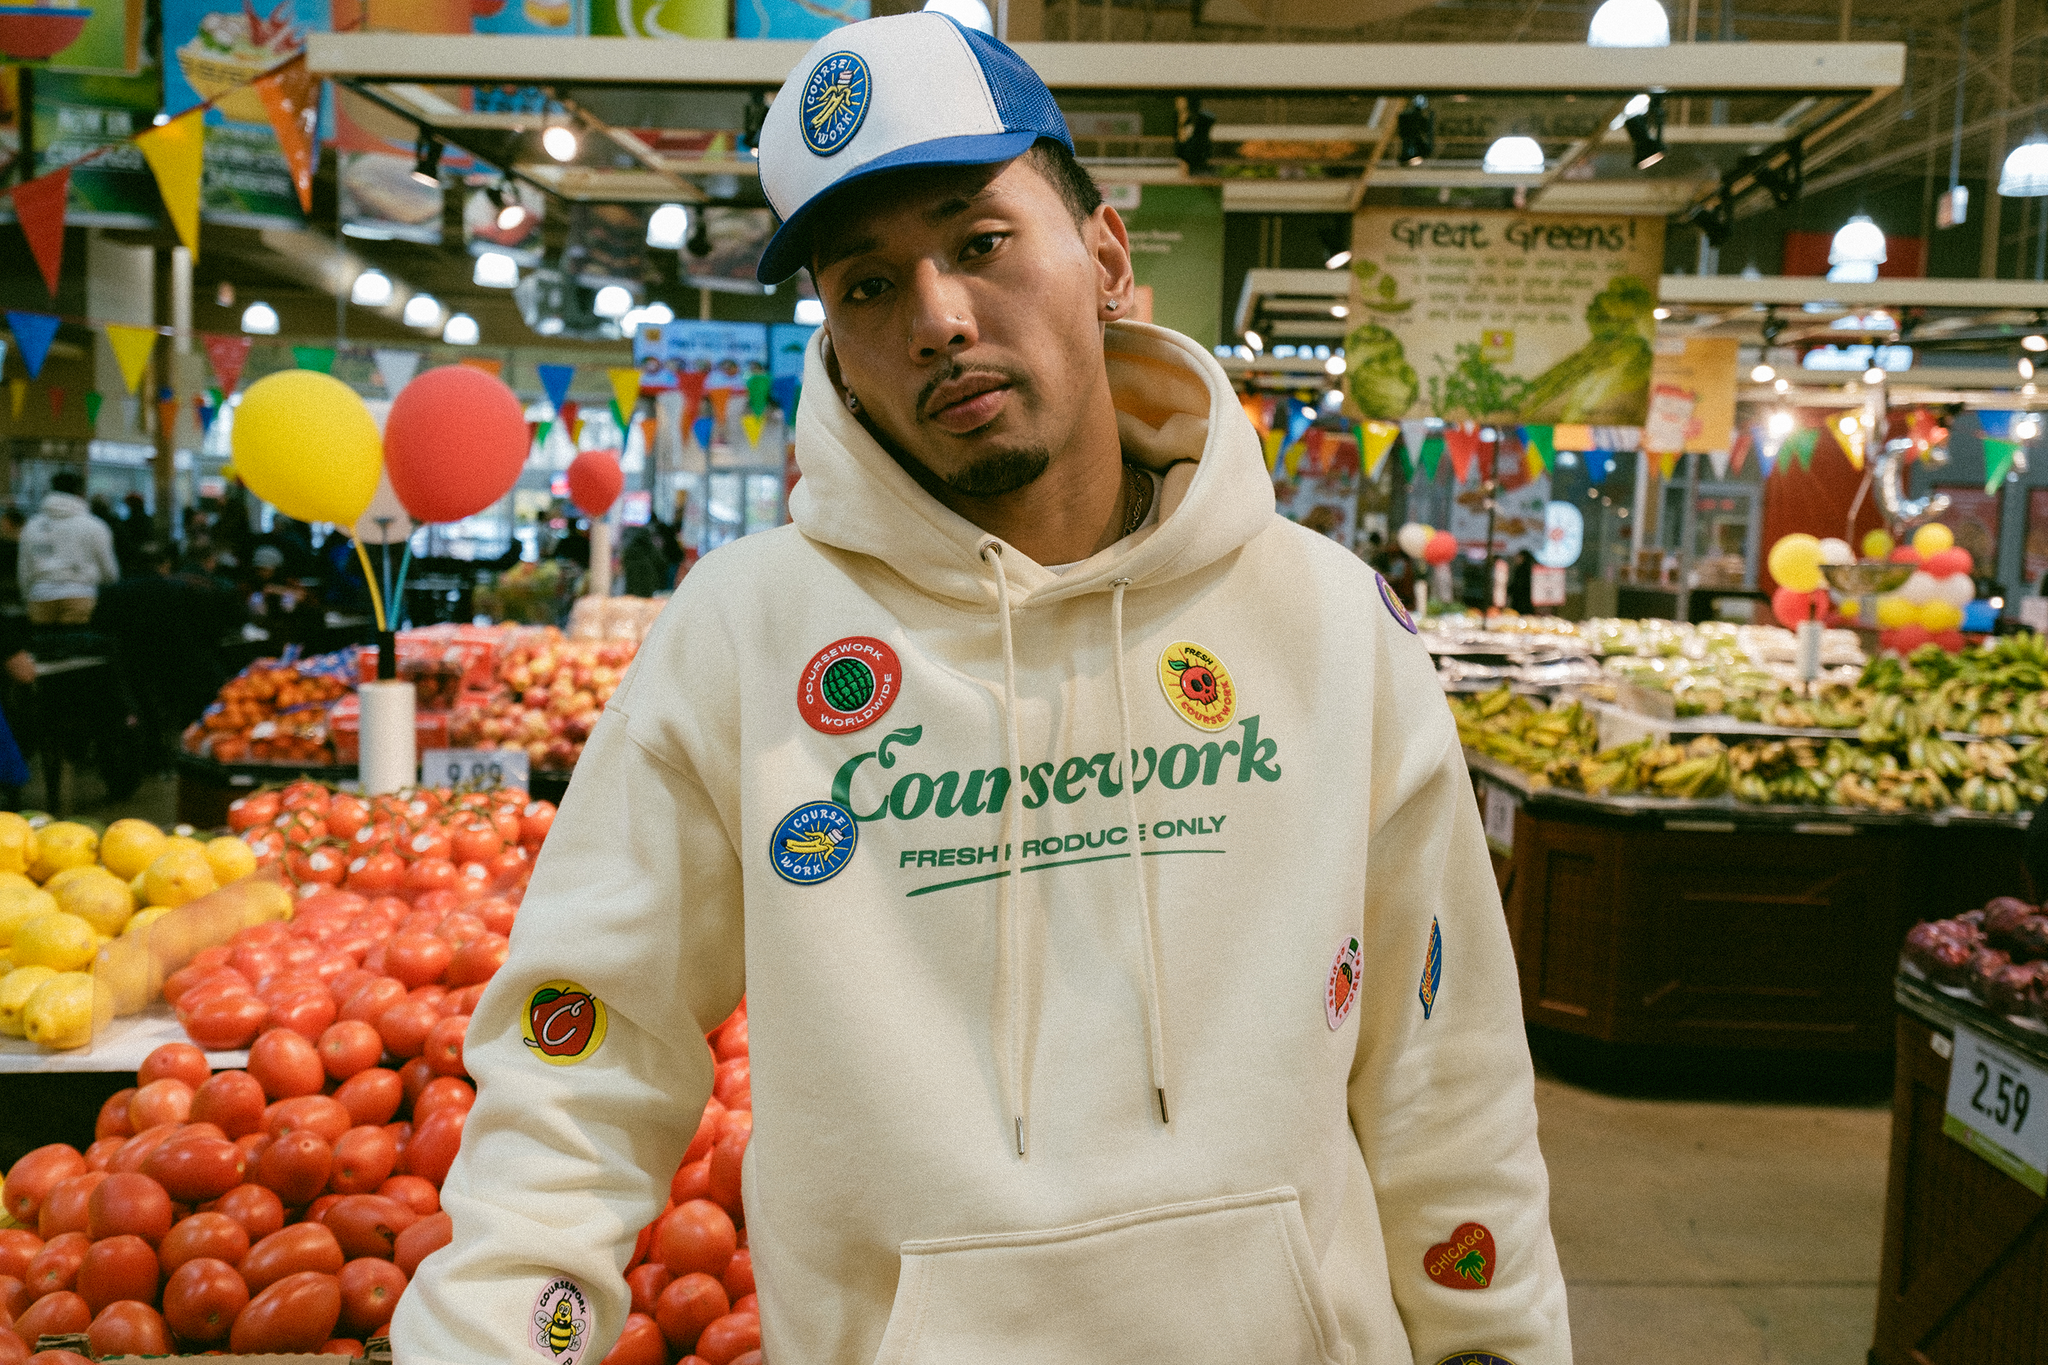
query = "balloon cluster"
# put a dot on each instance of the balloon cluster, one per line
(1927, 608)
(1795, 563)
(1418, 540)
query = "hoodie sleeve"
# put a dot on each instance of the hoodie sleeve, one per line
(588, 1049)
(1442, 1094)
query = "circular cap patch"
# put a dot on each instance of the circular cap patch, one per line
(813, 842)
(1400, 612)
(561, 1322)
(835, 101)
(1197, 685)
(848, 685)
(563, 1023)
(1474, 1358)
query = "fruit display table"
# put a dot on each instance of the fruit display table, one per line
(205, 788)
(1717, 924)
(1961, 1280)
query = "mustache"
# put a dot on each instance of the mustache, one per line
(951, 370)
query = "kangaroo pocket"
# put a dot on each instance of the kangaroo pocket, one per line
(1216, 1280)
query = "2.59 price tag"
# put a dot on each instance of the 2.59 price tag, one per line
(476, 768)
(1998, 1108)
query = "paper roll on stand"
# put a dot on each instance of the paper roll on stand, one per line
(390, 757)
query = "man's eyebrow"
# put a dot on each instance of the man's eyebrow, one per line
(946, 208)
(831, 255)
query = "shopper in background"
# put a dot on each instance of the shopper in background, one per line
(66, 555)
(1238, 1074)
(1522, 582)
(132, 530)
(641, 563)
(167, 629)
(11, 522)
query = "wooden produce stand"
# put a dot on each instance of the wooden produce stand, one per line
(1964, 1279)
(1714, 924)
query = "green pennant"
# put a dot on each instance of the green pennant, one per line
(1799, 446)
(618, 417)
(757, 393)
(92, 408)
(1542, 440)
(540, 437)
(1998, 457)
(319, 359)
(213, 397)
(1432, 451)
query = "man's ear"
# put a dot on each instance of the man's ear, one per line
(831, 359)
(1110, 243)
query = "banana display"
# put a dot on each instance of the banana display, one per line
(1521, 731)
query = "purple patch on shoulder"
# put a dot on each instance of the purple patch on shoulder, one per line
(1394, 605)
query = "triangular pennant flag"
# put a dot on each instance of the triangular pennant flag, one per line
(56, 400)
(1719, 460)
(555, 381)
(494, 368)
(176, 153)
(17, 394)
(319, 359)
(1599, 464)
(1431, 454)
(1998, 462)
(1667, 463)
(1740, 452)
(648, 429)
(1767, 448)
(617, 416)
(92, 408)
(291, 97)
(1413, 435)
(1270, 442)
(1995, 426)
(1532, 462)
(568, 414)
(39, 208)
(33, 332)
(1463, 443)
(690, 383)
(752, 424)
(701, 429)
(625, 391)
(1375, 438)
(783, 394)
(395, 368)
(1799, 445)
(227, 355)
(1300, 417)
(1542, 442)
(132, 346)
(757, 393)
(1848, 433)
(576, 433)
(202, 412)
(718, 398)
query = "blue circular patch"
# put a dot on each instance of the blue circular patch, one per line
(813, 842)
(1399, 612)
(835, 101)
(1475, 1358)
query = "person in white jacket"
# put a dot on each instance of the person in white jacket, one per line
(1126, 976)
(66, 554)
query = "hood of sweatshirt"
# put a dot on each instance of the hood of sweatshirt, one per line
(61, 505)
(1176, 415)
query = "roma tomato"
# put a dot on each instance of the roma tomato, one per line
(363, 1160)
(687, 1306)
(179, 1061)
(422, 1240)
(300, 1248)
(645, 1283)
(296, 1167)
(128, 1327)
(413, 1192)
(113, 1117)
(226, 1023)
(204, 1235)
(128, 1158)
(202, 1299)
(417, 959)
(256, 1207)
(55, 1267)
(102, 1152)
(435, 1141)
(739, 1274)
(117, 1268)
(371, 1096)
(725, 1170)
(641, 1343)
(691, 1182)
(695, 1237)
(372, 999)
(443, 1092)
(404, 1026)
(306, 1009)
(417, 1075)
(286, 1065)
(195, 1169)
(232, 1099)
(349, 1046)
(18, 1246)
(67, 1207)
(54, 1315)
(321, 1115)
(369, 1224)
(369, 1292)
(296, 1314)
(443, 1046)
(729, 1338)
(707, 1133)
(128, 1204)
(35, 1175)
(461, 1000)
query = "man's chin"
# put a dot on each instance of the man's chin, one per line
(996, 472)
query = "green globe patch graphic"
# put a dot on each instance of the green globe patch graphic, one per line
(848, 684)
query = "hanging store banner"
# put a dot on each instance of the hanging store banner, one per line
(1701, 370)
(808, 20)
(76, 116)
(725, 353)
(1500, 316)
(1177, 257)
(215, 50)
(110, 44)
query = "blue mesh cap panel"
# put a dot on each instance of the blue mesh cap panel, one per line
(1022, 101)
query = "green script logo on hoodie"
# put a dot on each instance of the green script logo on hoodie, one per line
(982, 790)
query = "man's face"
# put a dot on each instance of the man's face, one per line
(965, 313)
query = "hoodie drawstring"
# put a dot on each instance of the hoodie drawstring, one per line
(1155, 1034)
(1007, 927)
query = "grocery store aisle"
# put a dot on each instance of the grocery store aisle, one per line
(1709, 1232)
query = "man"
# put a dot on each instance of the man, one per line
(1126, 977)
(66, 554)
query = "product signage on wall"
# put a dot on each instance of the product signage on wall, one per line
(1502, 316)
(212, 49)
(1695, 375)
(1176, 236)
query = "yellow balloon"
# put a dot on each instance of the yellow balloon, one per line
(1877, 543)
(1932, 539)
(305, 444)
(1850, 607)
(1940, 615)
(1894, 610)
(1795, 562)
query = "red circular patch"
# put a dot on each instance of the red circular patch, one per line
(848, 685)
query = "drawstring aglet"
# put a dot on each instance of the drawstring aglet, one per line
(1162, 1106)
(1020, 1135)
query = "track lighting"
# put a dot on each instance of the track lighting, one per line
(1646, 133)
(1416, 127)
(426, 160)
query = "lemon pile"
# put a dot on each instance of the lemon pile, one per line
(66, 889)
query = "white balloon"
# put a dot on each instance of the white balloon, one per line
(385, 521)
(1413, 538)
(1922, 587)
(1957, 590)
(1835, 550)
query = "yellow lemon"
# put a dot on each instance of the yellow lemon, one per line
(19, 907)
(15, 989)
(63, 1010)
(57, 940)
(183, 843)
(142, 919)
(230, 858)
(59, 880)
(99, 898)
(178, 876)
(17, 843)
(12, 881)
(129, 846)
(62, 844)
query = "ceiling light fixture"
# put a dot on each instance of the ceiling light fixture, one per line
(260, 319)
(2025, 175)
(612, 301)
(667, 227)
(1334, 365)
(1782, 384)
(1338, 261)
(1255, 341)
(495, 270)
(426, 160)
(1340, 310)
(2036, 342)
(1514, 154)
(1646, 133)
(559, 142)
(422, 310)
(1629, 23)
(1660, 313)
(810, 312)
(1856, 251)
(461, 331)
(1762, 374)
(372, 289)
(1416, 127)
(1874, 375)
(511, 212)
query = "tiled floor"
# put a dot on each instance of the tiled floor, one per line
(1719, 1232)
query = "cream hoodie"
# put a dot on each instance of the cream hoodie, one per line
(1063, 1106)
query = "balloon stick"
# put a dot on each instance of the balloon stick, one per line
(376, 598)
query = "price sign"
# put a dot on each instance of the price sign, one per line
(473, 768)
(1499, 816)
(1996, 1103)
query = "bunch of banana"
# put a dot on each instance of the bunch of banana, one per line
(1980, 792)
(1697, 772)
(1520, 731)
(1613, 771)
(2030, 716)
(1941, 756)
(1781, 772)
(1884, 724)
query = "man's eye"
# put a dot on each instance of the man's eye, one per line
(981, 244)
(864, 290)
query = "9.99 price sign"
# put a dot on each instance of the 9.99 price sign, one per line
(1996, 1102)
(477, 769)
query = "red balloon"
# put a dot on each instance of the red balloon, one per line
(1903, 640)
(1793, 607)
(454, 443)
(1954, 560)
(595, 480)
(1904, 554)
(1442, 548)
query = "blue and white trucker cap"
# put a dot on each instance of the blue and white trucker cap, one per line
(885, 94)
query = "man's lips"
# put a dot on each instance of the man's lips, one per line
(961, 405)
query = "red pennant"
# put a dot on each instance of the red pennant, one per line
(291, 96)
(167, 415)
(227, 354)
(648, 427)
(1461, 443)
(56, 400)
(39, 208)
(691, 384)
(566, 416)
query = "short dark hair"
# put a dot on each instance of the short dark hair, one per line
(68, 481)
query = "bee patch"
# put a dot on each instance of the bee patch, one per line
(813, 843)
(1342, 991)
(1197, 686)
(561, 1322)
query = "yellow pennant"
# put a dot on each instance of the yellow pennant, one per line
(176, 152)
(1532, 461)
(1375, 439)
(1667, 463)
(751, 424)
(1848, 430)
(132, 346)
(626, 389)
(1271, 440)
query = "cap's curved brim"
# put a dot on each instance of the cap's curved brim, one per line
(789, 250)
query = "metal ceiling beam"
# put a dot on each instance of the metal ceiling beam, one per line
(1793, 291)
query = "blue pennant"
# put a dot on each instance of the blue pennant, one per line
(33, 332)
(556, 379)
(783, 392)
(701, 429)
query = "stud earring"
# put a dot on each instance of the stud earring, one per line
(852, 403)
(1111, 305)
